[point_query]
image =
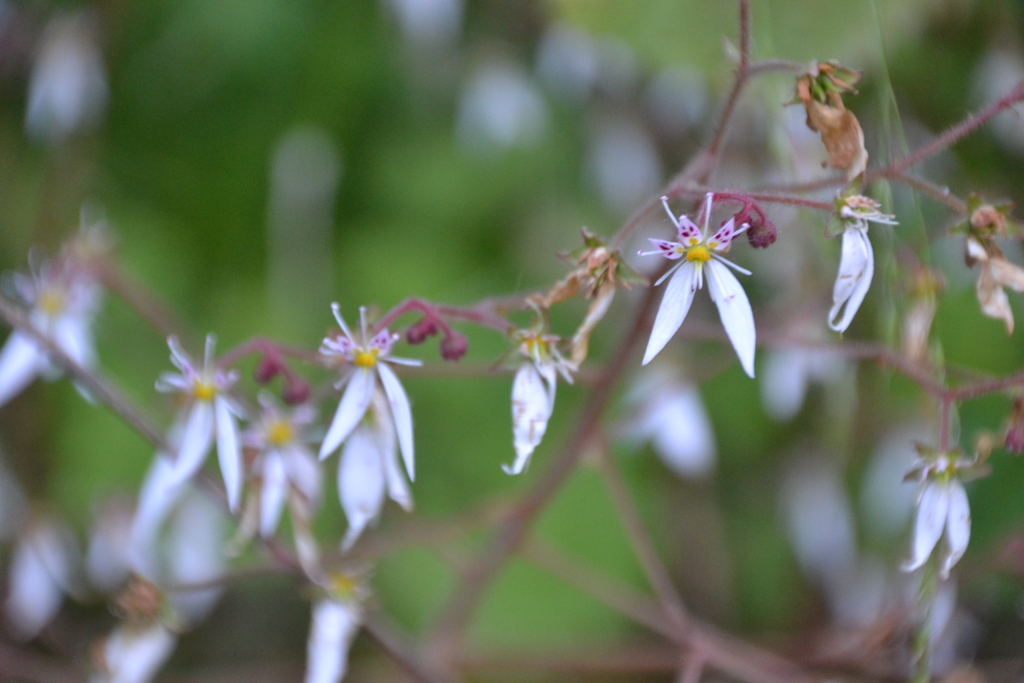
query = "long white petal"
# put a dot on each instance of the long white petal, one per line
(20, 362)
(675, 304)
(397, 487)
(196, 440)
(351, 409)
(71, 333)
(195, 549)
(531, 408)
(135, 655)
(34, 595)
(161, 490)
(228, 452)
(931, 519)
(335, 625)
(273, 492)
(734, 309)
(681, 431)
(958, 526)
(303, 470)
(402, 414)
(856, 268)
(784, 382)
(360, 482)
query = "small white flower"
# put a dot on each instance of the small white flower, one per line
(533, 394)
(857, 264)
(63, 300)
(134, 653)
(367, 354)
(336, 621)
(941, 507)
(42, 571)
(369, 469)
(209, 411)
(698, 252)
(787, 374)
(195, 554)
(285, 463)
(109, 557)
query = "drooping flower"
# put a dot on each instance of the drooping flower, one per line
(700, 252)
(62, 298)
(370, 356)
(43, 569)
(942, 506)
(209, 411)
(134, 653)
(285, 463)
(533, 393)
(336, 621)
(857, 264)
(996, 273)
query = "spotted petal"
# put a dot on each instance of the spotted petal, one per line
(734, 309)
(351, 409)
(402, 415)
(670, 250)
(689, 234)
(722, 238)
(674, 307)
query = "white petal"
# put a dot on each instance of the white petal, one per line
(196, 552)
(681, 432)
(351, 409)
(734, 309)
(675, 304)
(397, 487)
(20, 362)
(334, 626)
(39, 574)
(856, 268)
(531, 408)
(196, 440)
(958, 526)
(303, 472)
(228, 452)
(108, 559)
(273, 492)
(360, 482)
(133, 655)
(402, 415)
(784, 383)
(161, 490)
(931, 519)
(71, 334)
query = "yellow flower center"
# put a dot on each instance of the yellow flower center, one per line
(698, 253)
(342, 586)
(51, 301)
(204, 391)
(366, 359)
(280, 432)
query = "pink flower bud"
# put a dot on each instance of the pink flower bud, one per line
(418, 332)
(454, 346)
(296, 391)
(267, 369)
(1014, 442)
(762, 233)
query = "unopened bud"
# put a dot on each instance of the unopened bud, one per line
(267, 369)
(762, 234)
(139, 601)
(1014, 442)
(296, 391)
(988, 217)
(418, 332)
(454, 346)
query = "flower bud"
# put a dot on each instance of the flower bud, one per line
(1014, 442)
(296, 391)
(761, 233)
(267, 369)
(418, 332)
(454, 346)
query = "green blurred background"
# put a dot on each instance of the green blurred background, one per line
(259, 159)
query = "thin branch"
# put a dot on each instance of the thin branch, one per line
(97, 386)
(394, 646)
(632, 661)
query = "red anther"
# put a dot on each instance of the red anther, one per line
(454, 346)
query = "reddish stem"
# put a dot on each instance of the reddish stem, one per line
(438, 312)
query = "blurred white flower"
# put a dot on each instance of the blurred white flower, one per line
(67, 90)
(43, 568)
(62, 298)
(108, 559)
(568, 62)
(885, 502)
(999, 72)
(195, 552)
(624, 164)
(161, 491)
(210, 411)
(367, 354)
(334, 626)
(671, 415)
(533, 394)
(857, 264)
(368, 469)
(676, 98)
(787, 374)
(501, 108)
(430, 22)
(941, 507)
(699, 251)
(134, 653)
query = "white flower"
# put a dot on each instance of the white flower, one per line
(42, 571)
(109, 557)
(134, 653)
(68, 88)
(533, 394)
(788, 372)
(336, 621)
(285, 463)
(857, 264)
(63, 300)
(672, 417)
(366, 355)
(209, 411)
(700, 252)
(942, 506)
